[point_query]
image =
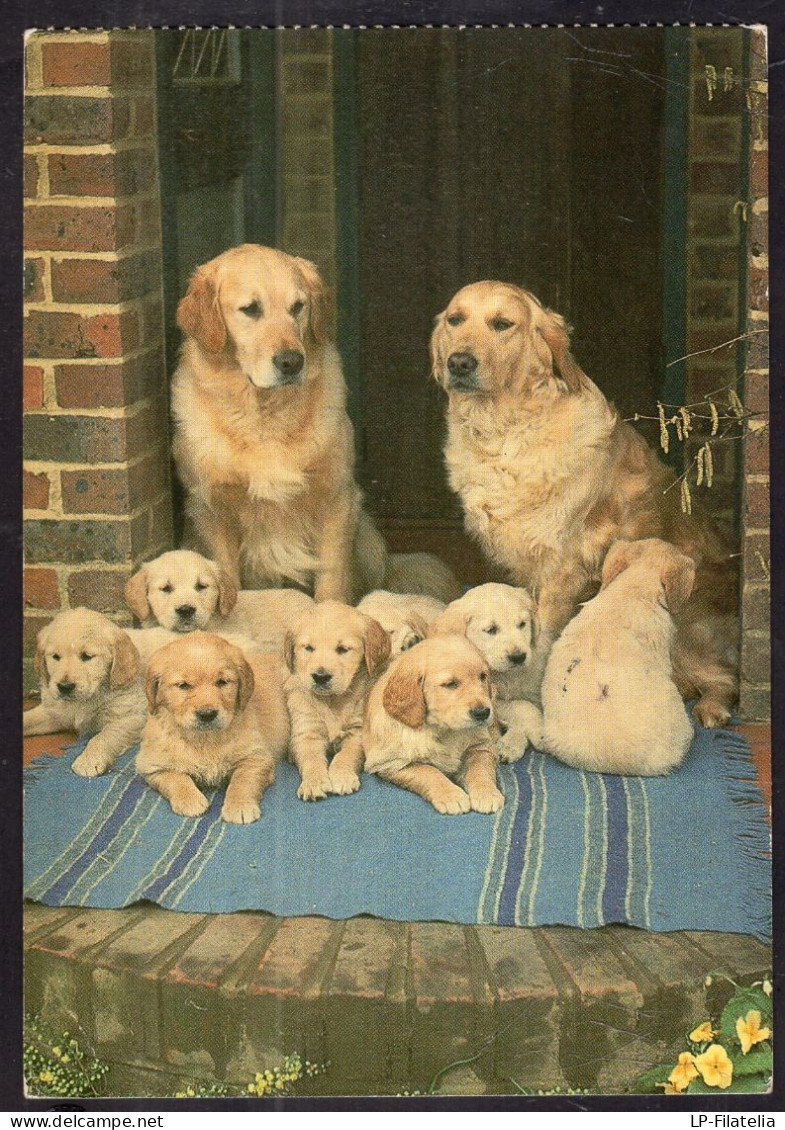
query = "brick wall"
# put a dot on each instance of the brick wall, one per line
(755, 644)
(96, 470)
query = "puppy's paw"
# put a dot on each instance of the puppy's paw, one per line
(190, 804)
(343, 780)
(486, 800)
(451, 801)
(89, 764)
(512, 746)
(240, 811)
(711, 714)
(315, 786)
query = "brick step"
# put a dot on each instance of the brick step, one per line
(167, 997)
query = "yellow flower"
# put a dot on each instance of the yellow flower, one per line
(683, 1073)
(57, 1052)
(749, 1030)
(715, 1067)
(46, 1077)
(702, 1033)
(668, 1088)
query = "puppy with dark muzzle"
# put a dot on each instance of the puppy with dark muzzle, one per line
(215, 715)
(334, 654)
(431, 718)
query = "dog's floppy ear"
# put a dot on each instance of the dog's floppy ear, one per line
(617, 559)
(535, 618)
(317, 299)
(454, 621)
(404, 697)
(556, 334)
(678, 579)
(437, 368)
(136, 594)
(377, 645)
(288, 649)
(125, 662)
(152, 683)
(40, 655)
(245, 682)
(199, 313)
(227, 591)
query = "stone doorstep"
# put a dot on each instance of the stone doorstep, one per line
(168, 997)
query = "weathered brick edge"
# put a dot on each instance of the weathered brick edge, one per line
(166, 997)
(97, 495)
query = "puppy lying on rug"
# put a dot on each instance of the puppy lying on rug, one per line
(501, 622)
(334, 653)
(430, 718)
(89, 672)
(214, 714)
(608, 695)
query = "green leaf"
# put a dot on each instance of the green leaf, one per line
(646, 1084)
(756, 1061)
(739, 1005)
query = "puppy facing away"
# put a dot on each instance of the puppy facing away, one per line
(608, 695)
(501, 622)
(89, 671)
(215, 715)
(184, 592)
(549, 476)
(404, 616)
(430, 718)
(333, 653)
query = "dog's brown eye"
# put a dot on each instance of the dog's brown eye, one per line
(493, 630)
(200, 586)
(500, 324)
(296, 308)
(342, 649)
(167, 587)
(252, 310)
(451, 685)
(455, 319)
(184, 687)
(85, 657)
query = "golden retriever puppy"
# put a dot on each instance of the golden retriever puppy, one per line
(333, 653)
(549, 477)
(262, 440)
(89, 672)
(430, 718)
(185, 592)
(404, 616)
(215, 715)
(501, 622)
(608, 694)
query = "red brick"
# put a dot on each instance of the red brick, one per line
(756, 455)
(49, 333)
(758, 288)
(758, 232)
(109, 386)
(77, 541)
(74, 439)
(95, 492)
(61, 227)
(96, 280)
(36, 490)
(756, 606)
(32, 625)
(147, 479)
(34, 280)
(31, 175)
(147, 428)
(33, 388)
(756, 392)
(101, 589)
(756, 504)
(758, 56)
(757, 557)
(76, 64)
(152, 319)
(75, 120)
(759, 173)
(40, 586)
(101, 174)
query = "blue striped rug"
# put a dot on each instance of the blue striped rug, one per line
(684, 852)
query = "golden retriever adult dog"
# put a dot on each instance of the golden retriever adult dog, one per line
(430, 718)
(501, 622)
(89, 672)
(215, 715)
(333, 653)
(549, 476)
(186, 592)
(608, 695)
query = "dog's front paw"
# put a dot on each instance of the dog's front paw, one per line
(343, 781)
(91, 764)
(512, 746)
(711, 714)
(486, 800)
(451, 801)
(240, 811)
(314, 786)
(190, 804)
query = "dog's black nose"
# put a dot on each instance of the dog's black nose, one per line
(462, 364)
(186, 611)
(66, 688)
(480, 713)
(206, 715)
(289, 362)
(321, 677)
(517, 657)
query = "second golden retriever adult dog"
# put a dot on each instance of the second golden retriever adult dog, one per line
(549, 476)
(215, 715)
(262, 442)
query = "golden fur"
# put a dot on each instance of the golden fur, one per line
(549, 476)
(608, 695)
(215, 715)
(420, 731)
(404, 616)
(333, 653)
(89, 672)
